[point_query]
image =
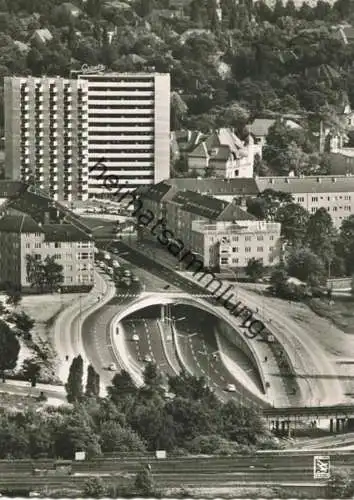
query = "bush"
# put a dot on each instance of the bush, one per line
(213, 445)
(94, 488)
(340, 484)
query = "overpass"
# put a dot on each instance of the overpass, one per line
(147, 299)
(340, 417)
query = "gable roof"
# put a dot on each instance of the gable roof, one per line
(22, 223)
(233, 187)
(260, 126)
(224, 137)
(156, 192)
(308, 184)
(209, 207)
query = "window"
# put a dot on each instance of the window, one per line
(235, 238)
(314, 198)
(224, 260)
(313, 209)
(247, 249)
(271, 237)
(28, 245)
(57, 256)
(259, 249)
(235, 261)
(83, 255)
(69, 256)
(301, 199)
(334, 209)
(271, 249)
(57, 244)
(248, 238)
(235, 249)
(69, 267)
(260, 238)
(37, 245)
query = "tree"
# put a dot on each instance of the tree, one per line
(305, 265)
(189, 386)
(346, 244)
(122, 386)
(31, 370)
(74, 389)
(41, 275)
(35, 272)
(267, 204)
(93, 382)
(144, 482)
(293, 219)
(53, 273)
(94, 488)
(255, 269)
(14, 297)
(114, 437)
(340, 484)
(321, 235)
(24, 323)
(9, 348)
(152, 378)
(241, 424)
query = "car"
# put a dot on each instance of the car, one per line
(230, 388)
(112, 367)
(147, 358)
(135, 279)
(135, 337)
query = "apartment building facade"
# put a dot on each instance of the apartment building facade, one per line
(220, 233)
(334, 193)
(20, 236)
(129, 129)
(46, 137)
(59, 132)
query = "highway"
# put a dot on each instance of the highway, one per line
(96, 338)
(267, 468)
(319, 379)
(149, 343)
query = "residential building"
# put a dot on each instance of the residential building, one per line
(259, 129)
(342, 162)
(58, 132)
(42, 37)
(221, 234)
(128, 118)
(46, 134)
(334, 193)
(21, 236)
(223, 154)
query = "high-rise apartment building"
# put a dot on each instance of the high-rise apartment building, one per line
(46, 137)
(129, 128)
(57, 130)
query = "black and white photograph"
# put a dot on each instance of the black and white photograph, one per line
(177, 249)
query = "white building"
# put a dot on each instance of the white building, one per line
(233, 244)
(57, 130)
(46, 134)
(129, 128)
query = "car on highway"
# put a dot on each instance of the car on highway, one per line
(147, 358)
(135, 337)
(112, 367)
(230, 388)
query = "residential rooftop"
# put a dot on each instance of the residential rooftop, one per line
(308, 184)
(22, 223)
(240, 186)
(209, 207)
